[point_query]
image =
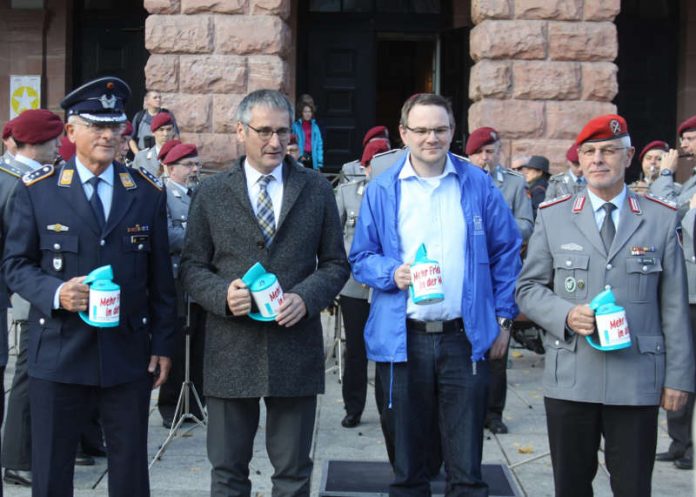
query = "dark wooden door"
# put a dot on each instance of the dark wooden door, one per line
(454, 80)
(110, 40)
(341, 80)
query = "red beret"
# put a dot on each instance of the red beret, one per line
(602, 128)
(66, 149)
(373, 148)
(572, 154)
(179, 152)
(160, 120)
(166, 148)
(688, 125)
(655, 144)
(7, 130)
(480, 138)
(376, 132)
(127, 129)
(36, 126)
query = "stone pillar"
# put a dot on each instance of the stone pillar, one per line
(206, 55)
(542, 69)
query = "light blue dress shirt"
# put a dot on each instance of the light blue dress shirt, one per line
(430, 212)
(599, 213)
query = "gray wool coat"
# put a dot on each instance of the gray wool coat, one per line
(243, 357)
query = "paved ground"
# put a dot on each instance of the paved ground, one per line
(184, 470)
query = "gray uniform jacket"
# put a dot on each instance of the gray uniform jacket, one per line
(348, 199)
(665, 186)
(352, 171)
(562, 184)
(385, 160)
(514, 189)
(178, 204)
(244, 357)
(147, 158)
(567, 265)
(687, 226)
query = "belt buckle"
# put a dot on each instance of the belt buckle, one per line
(434, 327)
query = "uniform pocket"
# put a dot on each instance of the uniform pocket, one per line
(58, 251)
(560, 362)
(570, 275)
(136, 250)
(643, 277)
(651, 376)
(44, 344)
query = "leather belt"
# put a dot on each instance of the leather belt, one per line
(451, 326)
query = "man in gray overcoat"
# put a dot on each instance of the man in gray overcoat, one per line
(608, 237)
(271, 210)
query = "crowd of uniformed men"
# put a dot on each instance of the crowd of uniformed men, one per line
(180, 250)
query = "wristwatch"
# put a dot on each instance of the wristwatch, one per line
(666, 172)
(504, 323)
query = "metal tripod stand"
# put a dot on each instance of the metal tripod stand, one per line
(183, 405)
(336, 347)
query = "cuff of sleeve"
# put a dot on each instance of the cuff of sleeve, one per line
(56, 298)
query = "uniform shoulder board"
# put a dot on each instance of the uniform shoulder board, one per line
(554, 201)
(511, 172)
(557, 177)
(10, 169)
(390, 151)
(151, 178)
(35, 176)
(661, 201)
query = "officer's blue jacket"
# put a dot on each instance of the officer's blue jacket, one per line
(491, 264)
(54, 236)
(317, 143)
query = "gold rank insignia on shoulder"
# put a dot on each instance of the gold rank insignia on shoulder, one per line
(127, 181)
(35, 176)
(151, 178)
(10, 169)
(66, 177)
(57, 228)
(662, 201)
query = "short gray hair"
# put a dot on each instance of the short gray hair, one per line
(265, 98)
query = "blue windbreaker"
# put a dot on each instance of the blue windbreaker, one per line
(491, 265)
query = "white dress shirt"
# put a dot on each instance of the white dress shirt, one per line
(274, 188)
(430, 212)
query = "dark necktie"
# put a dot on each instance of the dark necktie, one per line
(95, 202)
(264, 210)
(608, 230)
(189, 192)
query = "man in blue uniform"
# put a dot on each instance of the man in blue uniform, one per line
(66, 222)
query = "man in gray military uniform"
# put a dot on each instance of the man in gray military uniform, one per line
(183, 167)
(353, 170)
(483, 149)
(608, 237)
(163, 129)
(680, 450)
(570, 181)
(35, 134)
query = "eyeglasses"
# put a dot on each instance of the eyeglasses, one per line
(440, 132)
(267, 132)
(97, 128)
(605, 152)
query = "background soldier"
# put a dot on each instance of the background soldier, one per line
(571, 181)
(608, 237)
(163, 129)
(483, 149)
(8, 143)
(353, 170)
(665, 185)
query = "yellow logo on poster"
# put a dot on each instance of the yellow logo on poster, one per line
(24, 98)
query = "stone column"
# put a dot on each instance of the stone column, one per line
(542, 69)
(206, 55)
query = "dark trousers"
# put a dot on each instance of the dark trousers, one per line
(630, 439)
(59, 412)
(679, 422)
(439, 381)
(16, 450)
(355, 313)
(169, 392)
(232, 425)
(497, 393)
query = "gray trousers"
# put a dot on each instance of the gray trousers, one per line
(232, 425)
(16, 445)
(679, 422)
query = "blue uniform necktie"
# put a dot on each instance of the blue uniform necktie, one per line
(608, 230)
(95, 202)
(264, 210)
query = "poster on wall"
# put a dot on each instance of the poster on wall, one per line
(25, 93)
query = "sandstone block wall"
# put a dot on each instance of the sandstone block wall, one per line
(206, 55)
(542, 69)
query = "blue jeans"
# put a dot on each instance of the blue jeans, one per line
(439, 382)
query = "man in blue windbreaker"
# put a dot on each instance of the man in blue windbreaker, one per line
(433, 359)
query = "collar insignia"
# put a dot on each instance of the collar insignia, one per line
(66, 177)
(579, 204)
(127, 181)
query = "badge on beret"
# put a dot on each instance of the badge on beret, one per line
(615, 126)
(570, 284)
(127, 181)
(66, 176)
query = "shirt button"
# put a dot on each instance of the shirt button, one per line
(609, 266)
(144, 320)
(141, 246)
(56, 246)
(42, 321)
(102, 242)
